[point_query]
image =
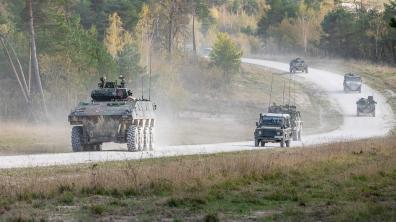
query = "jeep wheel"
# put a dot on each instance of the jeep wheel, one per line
(262, 144)
(287, 143)
(282, 143)
(132, 138)
(76, 138)
(256, 143)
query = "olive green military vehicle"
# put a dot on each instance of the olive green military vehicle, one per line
(273, 128)
(112, 115)
(298, 65)
(295, 118)
(366, 107)
(352, 83)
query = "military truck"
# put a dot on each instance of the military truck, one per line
(113, 115)
(366, 107)
(352, 83)
(298, 65)
(273, 128)
(295, 118)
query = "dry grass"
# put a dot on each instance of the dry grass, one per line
(199, 172)
(334, 182)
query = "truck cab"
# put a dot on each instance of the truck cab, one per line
(273, 128)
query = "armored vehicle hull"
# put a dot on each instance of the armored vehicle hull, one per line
(273, 128)
(365, 107)
(112, 116)
(298, 65)
(352, 83)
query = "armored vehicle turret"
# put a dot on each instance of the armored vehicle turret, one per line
(366, 107)
(298, 65)
(295, 118)
(112, 115)
(352, 83)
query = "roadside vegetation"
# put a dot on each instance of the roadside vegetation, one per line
(347, 181)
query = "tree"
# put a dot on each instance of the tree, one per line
(226, 55)
(116, 36)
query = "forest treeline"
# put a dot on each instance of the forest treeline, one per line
(80, 40)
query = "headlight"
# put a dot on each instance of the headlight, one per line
(259, 132)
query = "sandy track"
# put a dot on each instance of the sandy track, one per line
(352, 128)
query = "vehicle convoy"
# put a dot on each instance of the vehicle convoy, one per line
(295, 118)
(273, 128)
(366, 107)
(352, 83)
(298, 65)
(113, 115)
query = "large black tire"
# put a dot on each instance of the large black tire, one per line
(140, 138)
(132, 138)
(282, 143)
(76, 139)
(146, 138)
(262, 144)
(151, 138)
(287, 143)
(256, 143)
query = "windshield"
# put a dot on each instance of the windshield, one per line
(354, 78)
(271, 121)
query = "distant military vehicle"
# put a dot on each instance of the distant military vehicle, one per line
(113, 115)
(298, 65)
(295, 118)
(273, 128)
(352, 83)
(366, 107)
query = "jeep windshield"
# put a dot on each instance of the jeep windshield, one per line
(271, 121)
(353, 79)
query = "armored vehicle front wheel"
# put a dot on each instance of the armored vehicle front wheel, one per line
(287, 143)
(132, 138)
(151, 138)
(76, 139)
(282, 143)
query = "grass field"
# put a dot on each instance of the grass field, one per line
(350, 181)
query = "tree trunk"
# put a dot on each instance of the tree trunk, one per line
(193, 35)
(34, 57)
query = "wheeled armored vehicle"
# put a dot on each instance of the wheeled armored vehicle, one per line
(273, 128)
(112, 115)
(352, 83)
(366, 107)
(298, 65)
(295, 118)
